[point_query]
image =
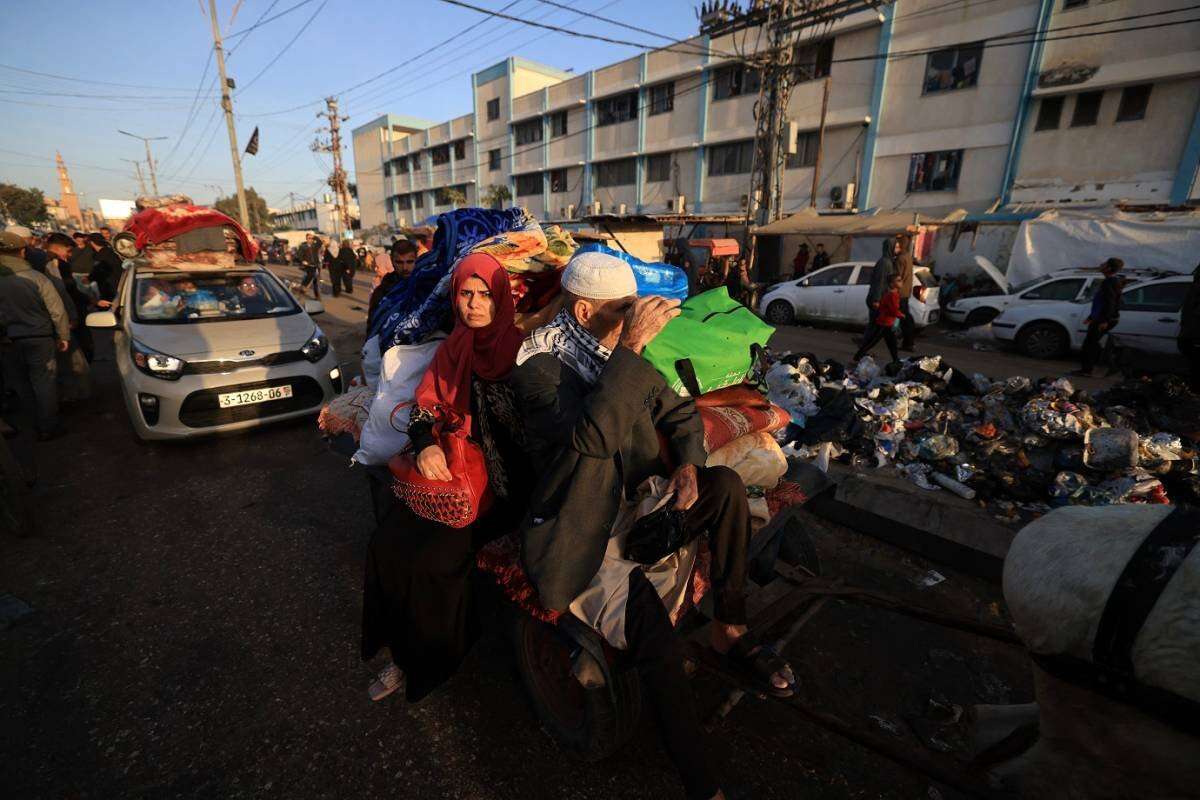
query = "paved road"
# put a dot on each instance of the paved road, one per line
(195, 633)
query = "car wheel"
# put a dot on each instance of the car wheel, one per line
(981, 316)
(780, 312)
(1043, 340)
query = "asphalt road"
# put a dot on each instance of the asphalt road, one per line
(194, 633)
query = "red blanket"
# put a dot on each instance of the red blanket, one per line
(723, 424)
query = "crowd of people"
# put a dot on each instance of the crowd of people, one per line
(570, 420)
(48, 285)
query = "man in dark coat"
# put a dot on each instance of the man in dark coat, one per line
(106, 268)
(1189, 329)
(342, 269)
(881, 278)
(1104, 316)
(308, 258)
(820, 258)
(594, 411)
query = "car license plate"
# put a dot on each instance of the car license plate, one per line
(252, 396)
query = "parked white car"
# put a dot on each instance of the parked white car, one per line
(1065, 285)
(838, 293)
(208, 349)
(1150, 313)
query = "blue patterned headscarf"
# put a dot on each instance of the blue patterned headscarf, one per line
(417, 307)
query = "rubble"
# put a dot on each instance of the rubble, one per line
(1014, 446)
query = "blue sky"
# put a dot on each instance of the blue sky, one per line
(142, 63)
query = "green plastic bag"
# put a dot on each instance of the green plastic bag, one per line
(713, 343)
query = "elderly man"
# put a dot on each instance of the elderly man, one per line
(594, 410)
(37, 327)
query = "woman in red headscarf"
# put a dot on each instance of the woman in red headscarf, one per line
(416, 596)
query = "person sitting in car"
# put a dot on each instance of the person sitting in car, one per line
(250, 297)
(417, 600)
(157, 302)
(594, 412)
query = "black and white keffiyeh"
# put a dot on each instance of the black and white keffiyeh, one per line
(570, 343)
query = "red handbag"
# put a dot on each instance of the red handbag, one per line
(455, 503)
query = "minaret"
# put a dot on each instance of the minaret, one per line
(70, 200)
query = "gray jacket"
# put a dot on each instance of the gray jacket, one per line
(885, 268)
(587, 444)
(30, 305)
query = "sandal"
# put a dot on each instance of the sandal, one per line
(757, 664)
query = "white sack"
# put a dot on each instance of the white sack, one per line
(372, 362)
(386, 431)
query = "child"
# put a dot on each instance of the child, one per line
(885, 316)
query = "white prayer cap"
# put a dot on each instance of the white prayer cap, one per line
(598, 276)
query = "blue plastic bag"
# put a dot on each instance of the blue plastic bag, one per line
(652, 277)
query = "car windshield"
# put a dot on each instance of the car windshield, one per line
(182, 297)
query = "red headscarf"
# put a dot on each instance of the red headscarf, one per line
(488, 352)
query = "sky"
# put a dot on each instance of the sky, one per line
(137, 66)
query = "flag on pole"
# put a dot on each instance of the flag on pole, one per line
(252, 145)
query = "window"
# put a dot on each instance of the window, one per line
(440, 155)
(493, 109)
(529, 131)
(662, 98)
(558, 180)
(493, 160)
(403, 202)
(953, 68)
(460, 150)
(1074, 4)
(730, 159)
(864, 275)
(1087, 109)
(611, 110)
(1134, 100)
(187, 298)
(1159, 298)
(806, 150)
(418, 200)
(529, 184)
(834, 276)
(813, 60)
(400, 166)
(1049, 113)
(1055, 290)
(735, 80)
(622, 172)
(658, 168)
(558, 124)
(934, 172)
(416, 161)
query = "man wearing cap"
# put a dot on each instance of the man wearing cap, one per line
(1104, 315)
(37, 327)
(594, 412)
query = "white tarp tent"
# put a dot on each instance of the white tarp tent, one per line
(1061, 239)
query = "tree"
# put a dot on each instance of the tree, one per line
(24, 206)
(496, 196)
(452, 197)
(256, 207)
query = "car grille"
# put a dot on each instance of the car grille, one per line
(227, 365)
(202, 409)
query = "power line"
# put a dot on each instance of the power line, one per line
(194, 111)
(257, 22)
(621, 24)
(286, 47)
(87, 80)
(262, 22)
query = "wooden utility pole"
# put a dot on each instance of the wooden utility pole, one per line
(337, 181)
(227, 106)
(137, 165)
(812, 203)
(146, 140)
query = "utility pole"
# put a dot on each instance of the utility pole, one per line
(137, 165)
(337, 181)
(149, 156)
(227, 105)
(812, 203)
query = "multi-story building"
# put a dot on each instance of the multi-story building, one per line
(312, 216)
(932, 106)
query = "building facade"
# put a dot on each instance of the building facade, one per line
(321, 218)
(932, 106)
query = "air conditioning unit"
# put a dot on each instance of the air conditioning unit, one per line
(621, 209)
(745, 201)
(842, 196)
(595, 208)
(677, 204)
(791, 135)
(570, 212)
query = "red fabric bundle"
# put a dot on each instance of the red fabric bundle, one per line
(502, 558)
(157, 225)
(723, 424)
(741, 395)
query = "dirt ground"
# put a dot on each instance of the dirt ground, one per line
(194, 633)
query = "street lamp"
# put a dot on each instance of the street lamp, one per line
(149, 158)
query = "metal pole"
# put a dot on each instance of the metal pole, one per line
(812, 203)
(137, 165)
(227, 105)
(146, 140)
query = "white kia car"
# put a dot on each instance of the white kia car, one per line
(205, 349)
(1150, 315)
(838, 293)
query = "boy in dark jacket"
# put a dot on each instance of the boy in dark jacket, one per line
(886, 314)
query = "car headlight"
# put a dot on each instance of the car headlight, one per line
(154, 363)
(316, 347)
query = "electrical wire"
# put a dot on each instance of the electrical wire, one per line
(625, 25)
(262, 22)
(87, 80)
(286, 47)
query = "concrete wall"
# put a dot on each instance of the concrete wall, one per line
(370, 151)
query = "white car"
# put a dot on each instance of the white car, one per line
(1065, 285)
(1150, 313)
(205, 349)
(838, 293)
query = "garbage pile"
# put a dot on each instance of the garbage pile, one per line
(1018, 447)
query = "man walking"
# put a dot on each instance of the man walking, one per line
(37, 327)
(106, 268)
(881, 281)
(343, 269)
(308, 257)
(904, 267)
(74, 363)
(1104, 316)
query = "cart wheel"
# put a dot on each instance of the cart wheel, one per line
(587, 721)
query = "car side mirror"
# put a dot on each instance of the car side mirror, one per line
(101, 319)
(312, 307)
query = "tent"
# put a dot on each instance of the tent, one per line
(1061, 238)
